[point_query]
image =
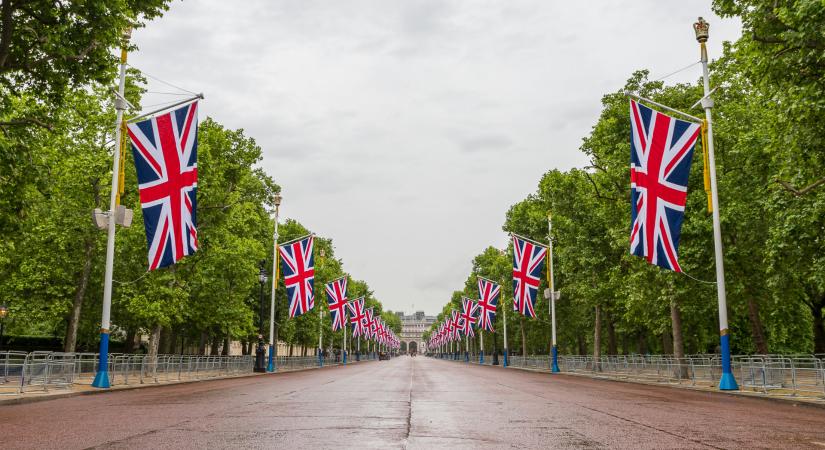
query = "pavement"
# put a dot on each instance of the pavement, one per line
(415, 403)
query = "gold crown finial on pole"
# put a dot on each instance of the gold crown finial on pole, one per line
(701, 29)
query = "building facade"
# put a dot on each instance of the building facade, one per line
(413, 327)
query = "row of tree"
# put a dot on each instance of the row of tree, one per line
(769, 126)
(57, 67)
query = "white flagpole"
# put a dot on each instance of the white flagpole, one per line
(481, 344)
(320, 336)
(102, 376)
(504, 309)
(271, 366)
(727, 382)
(554, 349)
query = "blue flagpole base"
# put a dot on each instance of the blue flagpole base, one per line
(358, 356)
(506, 361)
(270, 367)
(554, 368)
(320, 360)
(728, 382)
(345, 357)
(102, 376)
(481, 357)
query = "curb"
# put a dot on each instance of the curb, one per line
(23, 399)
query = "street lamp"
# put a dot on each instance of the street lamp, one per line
(321, 254)
(260, 360)
(270, 367)
(4, 311)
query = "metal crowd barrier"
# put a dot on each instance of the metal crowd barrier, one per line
(792, 375)
(22, 372)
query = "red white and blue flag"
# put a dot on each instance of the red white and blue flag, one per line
(371, 324)
(661, 149)
(337, 302)
(528, 261)
(468, 316)
(357, 316)
(299, 274)
(165, 150)
(455, 328)
(488, 293)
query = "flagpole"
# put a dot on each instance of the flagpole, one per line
(504, 309)
(344, 342)
(554, 349)
(466, 348)
(481, 344)
(320, 337)
(271, 366)
(727, 382)
(102, 376)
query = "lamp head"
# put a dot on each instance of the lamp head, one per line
(701, 29)
(277, 199)
(4, 311)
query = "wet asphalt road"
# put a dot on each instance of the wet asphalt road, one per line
(416, 403)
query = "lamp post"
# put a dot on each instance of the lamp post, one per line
(552, 296)
(4, 311)
(727, 382)
(276, 199)
(321, 254)
(260, 351)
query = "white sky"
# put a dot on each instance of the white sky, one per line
(404, 130)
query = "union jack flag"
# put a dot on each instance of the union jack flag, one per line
(468, 316)
(488, 293)
(455, 329)
(661, 149)
(337, 302)
(165, 150)
(528, 261)
(371, 325)
(299, 274)
(357, 316)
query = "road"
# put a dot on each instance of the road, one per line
(416, 403)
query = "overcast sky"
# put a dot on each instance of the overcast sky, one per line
(404, 130)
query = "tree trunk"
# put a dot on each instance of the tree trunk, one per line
(202, 343)
(641, 345)
(213, 347)
(678, 342)
(70, 342)
(582, 344)
(523, 338)
(154, 341)
(612, 348)
(129, 345)
(226, 344)
(597, 338)
(817, 308)
(757, 330)
(667, 343)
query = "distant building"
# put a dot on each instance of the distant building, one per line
(413, 327)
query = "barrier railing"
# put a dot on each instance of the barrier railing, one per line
(793, 375)
(22, 372)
